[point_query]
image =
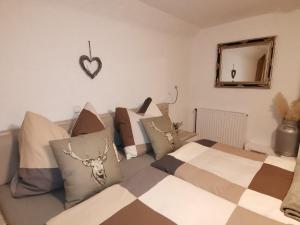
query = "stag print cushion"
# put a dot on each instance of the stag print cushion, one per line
(38, 172)
(162, 134)
(132, 133)
(87, 122)
(88, 165)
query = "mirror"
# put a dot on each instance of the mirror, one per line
(245, 63)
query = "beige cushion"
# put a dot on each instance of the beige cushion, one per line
(38, 172)
(88, 164)
(164, 139)
(132, 133)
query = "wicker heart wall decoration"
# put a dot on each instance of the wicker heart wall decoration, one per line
(90, 65)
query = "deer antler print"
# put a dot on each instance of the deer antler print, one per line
(167, 133)
(98, 171)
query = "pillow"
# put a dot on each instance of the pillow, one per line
(153, 110)
(161, 132)
(141, 110)
(88, 165)
(87, 122)
(145, 105)
(38, 172)
(132, 133)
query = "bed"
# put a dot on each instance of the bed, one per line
(203, 182)
(184, 188)
(37, 210)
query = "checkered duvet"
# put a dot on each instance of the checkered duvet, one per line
(254, 183)
(205, 183)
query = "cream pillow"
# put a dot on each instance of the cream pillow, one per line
(38, 172)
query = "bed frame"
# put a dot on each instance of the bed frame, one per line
(9, 153)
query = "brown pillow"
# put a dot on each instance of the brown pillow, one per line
(164, 139)
(145, 105)
(87, 122)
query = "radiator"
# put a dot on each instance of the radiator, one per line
(222, 126)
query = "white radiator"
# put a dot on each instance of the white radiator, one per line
(222, 126)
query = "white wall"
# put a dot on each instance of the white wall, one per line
(257, 103)
(144, 52)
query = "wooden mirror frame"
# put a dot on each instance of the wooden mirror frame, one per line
(266, 84)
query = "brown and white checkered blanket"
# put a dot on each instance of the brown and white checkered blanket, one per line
(255, 183)
(213, 184)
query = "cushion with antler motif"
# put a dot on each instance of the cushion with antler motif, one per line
(88, 164)
(161, 132)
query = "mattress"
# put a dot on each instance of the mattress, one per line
(37, 210)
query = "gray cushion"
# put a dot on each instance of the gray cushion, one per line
(34, 210)
(88, 164)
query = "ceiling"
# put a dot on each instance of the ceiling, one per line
(205, 13)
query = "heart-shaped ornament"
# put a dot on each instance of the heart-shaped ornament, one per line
(91, 66)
